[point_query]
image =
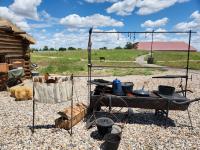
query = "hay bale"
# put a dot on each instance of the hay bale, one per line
(21, 93)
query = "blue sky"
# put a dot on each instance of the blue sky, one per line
(64, 23)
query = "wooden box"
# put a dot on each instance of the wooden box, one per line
(79, 111)
(4, 67)
(17, 63)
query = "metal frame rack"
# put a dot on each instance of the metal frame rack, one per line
(90, 65)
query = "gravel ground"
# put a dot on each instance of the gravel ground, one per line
(143, 131)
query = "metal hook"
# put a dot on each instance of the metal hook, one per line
(133, 37)
(118, 36)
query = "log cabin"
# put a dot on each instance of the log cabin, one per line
(14, 46)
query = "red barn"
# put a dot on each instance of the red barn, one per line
(164, 46)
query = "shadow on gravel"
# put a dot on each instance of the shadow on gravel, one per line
(145, 118)
(95, 135)
(150, 118)
(42, 127)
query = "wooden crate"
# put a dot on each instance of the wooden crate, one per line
(79, 112)
(4, 67)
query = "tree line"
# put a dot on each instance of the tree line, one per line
(128, 45)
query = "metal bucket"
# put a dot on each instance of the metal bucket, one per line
(111, 141)
(116, 130)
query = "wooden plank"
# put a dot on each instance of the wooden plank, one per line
(8, 43)
(10, 49)
(11, 46)
(14, 40)
(9, 35)
(10, 52)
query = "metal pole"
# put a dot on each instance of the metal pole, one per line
(152, 43)
(33, 123)
(188, 60)
(89, 64)
(141, 32)
(72, 80)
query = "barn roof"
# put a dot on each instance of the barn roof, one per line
(165, 46)
(9, 26)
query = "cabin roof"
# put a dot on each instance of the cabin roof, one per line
(9, 26)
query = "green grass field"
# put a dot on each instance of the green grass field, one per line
(177, 59)
(76, 62)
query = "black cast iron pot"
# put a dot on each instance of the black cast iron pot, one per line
(166, 90)
(104, 125)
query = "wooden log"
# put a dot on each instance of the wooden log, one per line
(4, 46)
(14, 40)
(10, 43)
(11, 51)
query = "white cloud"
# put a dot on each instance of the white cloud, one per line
(96, 20)
(18, 20)
(196, 16)
(123, 8)
(146, 7)
(183, 1)
(194, 24)
(44, 30)
(100, 1)
(19, 11)
(157, 23)
(79, 39)
(26, 8)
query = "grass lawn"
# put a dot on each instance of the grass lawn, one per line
(76, 62)
(177, 59)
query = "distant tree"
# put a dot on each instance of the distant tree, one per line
(103, 48)
(45, 48)
(71, 48)
(33, 50)
(51, 49)
(128, 45)
(79, 48)
(62, 49)
(118, 47)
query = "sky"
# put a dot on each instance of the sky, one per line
(65, 23)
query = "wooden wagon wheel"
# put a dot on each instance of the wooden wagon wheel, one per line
(101, 108)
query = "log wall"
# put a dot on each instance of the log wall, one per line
(14, 47)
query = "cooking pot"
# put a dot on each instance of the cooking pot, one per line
(127, 87)
(166, 90)
(104, 125)
(141, 92)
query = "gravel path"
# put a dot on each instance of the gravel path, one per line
(143, 131)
